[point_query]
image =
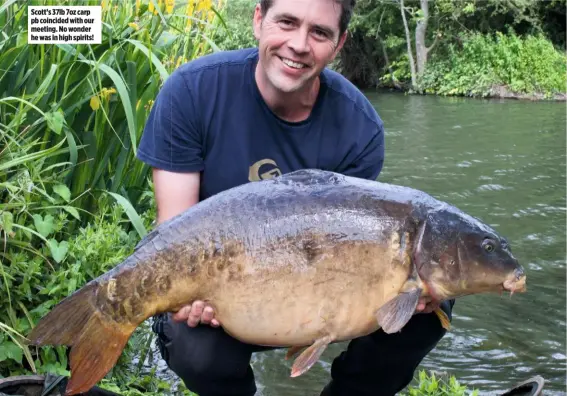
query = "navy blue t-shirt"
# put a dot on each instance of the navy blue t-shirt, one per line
(209, 117)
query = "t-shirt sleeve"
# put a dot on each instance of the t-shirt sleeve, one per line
(172, 138)
(368, 162)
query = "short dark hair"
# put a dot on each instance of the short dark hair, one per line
(347, 7)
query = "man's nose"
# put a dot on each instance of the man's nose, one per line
(299, 41)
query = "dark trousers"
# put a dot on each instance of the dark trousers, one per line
(211, 363)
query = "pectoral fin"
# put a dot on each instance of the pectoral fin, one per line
(394, 315)
(445, 322)
(309, 356)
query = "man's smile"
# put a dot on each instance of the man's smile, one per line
(292, 63)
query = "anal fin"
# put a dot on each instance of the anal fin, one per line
(394, 315)
(293, 350)
(310, 356)
(445, 322)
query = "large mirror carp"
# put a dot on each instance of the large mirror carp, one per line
(300, 261)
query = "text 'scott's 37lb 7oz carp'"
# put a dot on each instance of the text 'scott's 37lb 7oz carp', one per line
(302, 260)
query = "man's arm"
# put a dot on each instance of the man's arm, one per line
(176, 192)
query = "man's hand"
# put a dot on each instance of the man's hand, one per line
(426, 305)
(197, 312)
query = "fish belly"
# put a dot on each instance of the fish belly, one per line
(296, 307)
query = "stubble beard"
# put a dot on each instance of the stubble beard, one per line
(286, 84)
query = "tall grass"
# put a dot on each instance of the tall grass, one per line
(97, 97)
(71, 117)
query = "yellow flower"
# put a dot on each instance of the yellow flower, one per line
(151, 6)
(169, 6)
(204, 5)
(189, 13)
(94, 103)
(106, 92)
(133, 25)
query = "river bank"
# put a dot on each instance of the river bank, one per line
(503, 92)
(496, 92)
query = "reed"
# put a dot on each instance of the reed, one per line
(97, 97)
(71, 116)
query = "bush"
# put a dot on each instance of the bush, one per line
(529, 65)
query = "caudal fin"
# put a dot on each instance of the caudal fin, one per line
(96, 342)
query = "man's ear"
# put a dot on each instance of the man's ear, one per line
(257, 21)
(341, 43)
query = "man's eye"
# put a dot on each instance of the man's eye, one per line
(285, 22)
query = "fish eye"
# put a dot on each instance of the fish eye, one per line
(488, 245)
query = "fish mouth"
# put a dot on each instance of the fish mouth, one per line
(516, 284)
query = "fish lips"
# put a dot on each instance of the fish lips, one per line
(516, 283)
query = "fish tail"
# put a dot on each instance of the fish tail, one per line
(96, 342)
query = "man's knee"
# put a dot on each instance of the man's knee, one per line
(208, 360)
(386, 362)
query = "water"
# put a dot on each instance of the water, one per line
(504, 162)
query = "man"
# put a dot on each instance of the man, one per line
(243, 116)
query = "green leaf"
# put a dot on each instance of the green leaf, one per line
(152, 57)
(63, 191)
(43, 225)
(73, 211)
(9, 350)
(72, 286)
(55, 121)
(6, 222)
(58, 249)
(123, 93)
(132, 214)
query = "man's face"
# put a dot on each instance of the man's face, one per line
(297, 39)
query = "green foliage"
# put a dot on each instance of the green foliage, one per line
(431, 385)
(399, 71)
(146, 385)
(30, 288)
(483, 63)
(239, 33)
(97, 97)
(71, 189)
(375, 51)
